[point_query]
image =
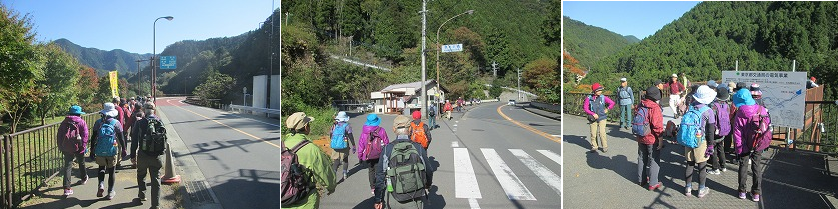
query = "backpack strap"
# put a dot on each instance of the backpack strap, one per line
(299, 146)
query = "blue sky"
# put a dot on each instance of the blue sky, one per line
(127, 25)
(638, 18)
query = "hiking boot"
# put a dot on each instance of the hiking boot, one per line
(688, 191)
(68, 191)
(141, 195)
(604, 149)
(111, 194)
(658, 185)
(703, 191)
(345, 174)
(101, 191)
(741, 195)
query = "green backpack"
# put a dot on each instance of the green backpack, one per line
(405, 172)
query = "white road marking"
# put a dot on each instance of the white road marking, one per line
(556, 135)
(539, 169)
(473, 203)
(455, 144)
(455, 125)
(512, 185)
(224, 113)
(465, 182)
(553, 156)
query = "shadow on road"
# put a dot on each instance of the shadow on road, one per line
(253, 189)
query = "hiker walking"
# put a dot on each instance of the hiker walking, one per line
(675, 90)
(121, 118)
(595, 107)
(106, 143)
(304, 155)
(697, 126)
(372, 141)
(723, 126)
(448, 109)
(72, 141)
(340, 134)
(460, 104)
(432, 110)
(419, 131)
(149, 137)
(751, 136)
(647, 127)
(404, 174)
(137, 115)
(626, 96)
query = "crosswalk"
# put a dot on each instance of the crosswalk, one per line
(467, 186)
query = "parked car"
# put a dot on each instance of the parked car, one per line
(511, 102)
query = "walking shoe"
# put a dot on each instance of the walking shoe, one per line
(713, 171)
(141, 195)
(373, 192)
(703, 191)
(68, 191)
(658, 185)
(111, 194)
(101, 191)
(756, 197)
(688, 192)
(741, 195)
(345, 174)
(724, 169)
(592, 151)
(604, 149)
(84, 180)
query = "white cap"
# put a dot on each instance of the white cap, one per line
(675, 76)
(623, 79)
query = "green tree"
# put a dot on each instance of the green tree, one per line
(58, 85)
(216, 86)
(19, 67)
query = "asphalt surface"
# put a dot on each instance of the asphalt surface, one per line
(488, 141)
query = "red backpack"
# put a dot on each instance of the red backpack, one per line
(296, 185)
(374, 145)
(69, 138)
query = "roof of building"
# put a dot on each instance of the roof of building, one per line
(414, 85)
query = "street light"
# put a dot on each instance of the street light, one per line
(154, 57)
(471, 11)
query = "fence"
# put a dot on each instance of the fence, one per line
(547, 106)
(29, 159)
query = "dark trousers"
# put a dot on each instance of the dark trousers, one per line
(718, 157)
(756, 170)
(68, 167)
(647, 163)
(625, 116)
(372, 168)
(147, 164)
(702, 175)
(110, 171)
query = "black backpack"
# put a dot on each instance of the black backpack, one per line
(153, 140)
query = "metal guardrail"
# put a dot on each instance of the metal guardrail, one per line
(547, 106)
(29, 159)
(254, 109)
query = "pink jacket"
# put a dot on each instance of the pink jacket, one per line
(365, 137)
(740, 121)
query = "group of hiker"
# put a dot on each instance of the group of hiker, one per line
(399, 172)
(106, 144)
(712, 118)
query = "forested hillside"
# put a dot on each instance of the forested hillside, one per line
(711, 37)
(102, 60)
(589, 44)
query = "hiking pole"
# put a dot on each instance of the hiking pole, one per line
(170, 176)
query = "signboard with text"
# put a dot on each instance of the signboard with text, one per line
(168, 62)
(452, 48)
(783, 93)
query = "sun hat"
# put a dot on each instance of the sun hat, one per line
(704, 94)
(401, 121)
(342, 117)
(657, 82)
(109, 109)
(674, 76)
(622, 79)
(298, 121)
(723, 93)
(596, 87)
(653, 93)
(712, 84)
(373, 120)
(75, 110)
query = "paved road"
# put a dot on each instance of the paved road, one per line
(238, 156)
(483, 160)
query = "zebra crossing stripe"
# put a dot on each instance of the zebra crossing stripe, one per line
(539, 169)
(512, 185)
(553, 156)
(465, 182)
(472, 203)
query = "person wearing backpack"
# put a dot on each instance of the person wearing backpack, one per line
(340, 134)
(106, 145)
(697, 123)
(626, 96)
(595, 107)
(372, 141)
(72, 141)
(404, 174)
(304, 166)
(419, 131)
(432, 115)
(647, 126)
(149, 138)
(448, 109)
(751, 136)
(121, 117)
(723, 126)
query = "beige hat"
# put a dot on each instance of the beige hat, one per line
(674, 76)
(149, 106)
(298, 121)
(401, 121)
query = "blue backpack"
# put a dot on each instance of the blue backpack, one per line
(690, 134)
(106, 145)
(338, 136)
(640, 124)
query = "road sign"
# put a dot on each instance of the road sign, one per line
(168, 62)
(452, 48)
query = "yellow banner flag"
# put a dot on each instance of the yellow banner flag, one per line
(114, 84)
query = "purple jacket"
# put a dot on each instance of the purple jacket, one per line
(365, 137)
(82, 125)
(740, 120)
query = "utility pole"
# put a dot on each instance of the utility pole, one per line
(424, 102)
(519, 83)
(495, 68)
(737, 65)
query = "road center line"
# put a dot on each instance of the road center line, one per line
(539, 169)
(511, 184)
(536, 131)
(465, 182)
(220, 123)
